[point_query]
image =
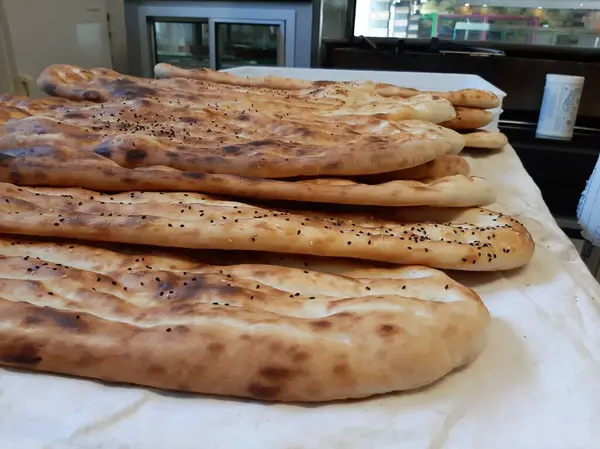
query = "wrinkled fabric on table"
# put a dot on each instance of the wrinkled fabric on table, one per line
(535, 385)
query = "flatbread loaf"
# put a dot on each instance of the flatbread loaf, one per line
(256, 331)
(474, 98)
(442, 166)
(57, 169)
(342, 103)
(43, 151)
(463, 239)
(469, 118)
(486, 139)
(144, 133)
(151, 119)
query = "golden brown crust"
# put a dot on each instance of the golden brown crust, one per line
(486, 139)
(474, 98)
(336, 102)
(86, 146)
(469, 118)
(464, 239)
(257, 331)
(470, 98)
(147, 132)
(442, 166)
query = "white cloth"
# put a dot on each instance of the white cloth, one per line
(535, 386)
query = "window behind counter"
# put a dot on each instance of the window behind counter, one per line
(531, 22)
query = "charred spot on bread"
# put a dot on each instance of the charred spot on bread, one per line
(91, 95)
(341, 369)
(387, 330)
(75, 115)
(215, 347)
(191, 175)
(65, 320)
(136, 156)
(50, 88)
(21, 354)
(261, 391)
(321, 324)
(232, 149)
(275, 373)
(103, 150)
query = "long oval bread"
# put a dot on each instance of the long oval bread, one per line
(44, 151)
(257, 331)
(469, 118)
(463, 239)
(339, 101)
(135, 136)
(475, 98)
(440, 167)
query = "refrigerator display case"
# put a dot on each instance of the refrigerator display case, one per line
(184, 44)
(219, 35)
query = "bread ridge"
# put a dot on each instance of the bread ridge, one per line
(76, 83)
(469, 118)
(55, 159)
(440, 167)
(256, 331)
(475, 98)
(133, 143)
(462, 239)
(486, 140)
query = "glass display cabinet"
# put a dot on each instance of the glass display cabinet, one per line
(221, 36)
(184, 44)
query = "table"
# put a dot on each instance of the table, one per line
(536, 384)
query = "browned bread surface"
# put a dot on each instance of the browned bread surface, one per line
(486, 139)
(146, 132)
(336, 102)
(464, 239)
(469, 118)
(475, 98)
(121, 146)
(257, 331)
(440, 167)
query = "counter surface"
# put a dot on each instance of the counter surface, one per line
(535, 385)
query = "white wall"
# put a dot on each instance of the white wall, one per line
(118, 34)
(45, 32)
(6, 59)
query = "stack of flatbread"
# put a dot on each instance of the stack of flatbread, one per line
(263, 239)
(473, 108)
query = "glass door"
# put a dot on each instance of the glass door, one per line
(249, 43)
(181, 43)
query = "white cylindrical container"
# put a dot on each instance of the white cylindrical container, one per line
(559, 106)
